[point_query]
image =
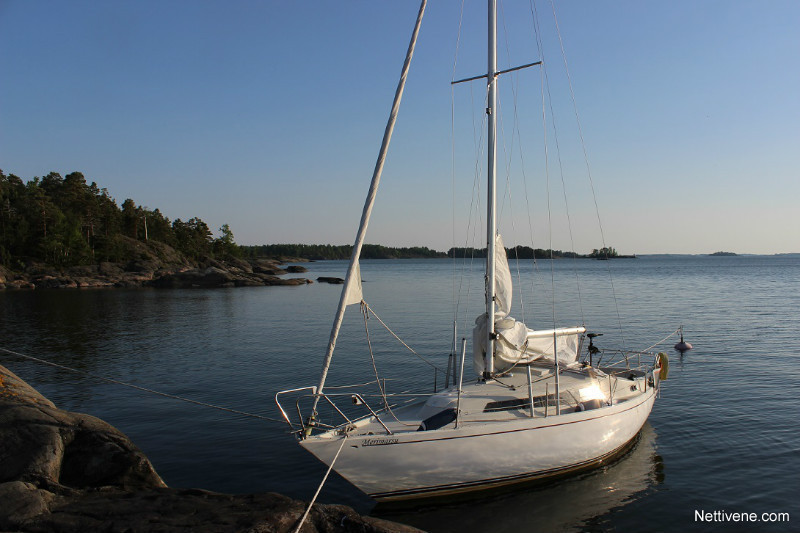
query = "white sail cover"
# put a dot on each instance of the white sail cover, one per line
(516, 344)
(566, 341)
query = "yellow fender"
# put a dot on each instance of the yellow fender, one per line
(663, 363)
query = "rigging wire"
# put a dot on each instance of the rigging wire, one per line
(549, 210)
(365, 312)
(540, 46)
(422, 358)
(516, 131)
(139, 388)
(453, 160)
(475, 199)
(588, 168)
(508, 155)
(472, 228)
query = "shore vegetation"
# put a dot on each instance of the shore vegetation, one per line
(66, 221)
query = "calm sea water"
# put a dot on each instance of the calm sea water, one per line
(724, 435)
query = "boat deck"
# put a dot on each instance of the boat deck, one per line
(507, 398)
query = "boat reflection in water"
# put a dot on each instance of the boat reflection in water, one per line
(574, 503)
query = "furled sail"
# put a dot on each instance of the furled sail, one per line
(511, 334)
(503, 288)
(516, 343)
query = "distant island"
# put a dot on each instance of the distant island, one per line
(322, 252)
(723, 254)
(65, 232)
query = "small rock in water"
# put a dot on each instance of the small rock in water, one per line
(333, 281)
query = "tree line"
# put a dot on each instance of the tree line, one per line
(318, 252)
(518, 252)
(65, 221)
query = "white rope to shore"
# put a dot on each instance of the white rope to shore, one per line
(137, 387)
(324, 479)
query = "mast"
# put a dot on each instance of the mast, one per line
(491, 219)
(353, 277)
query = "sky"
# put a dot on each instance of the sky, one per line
(268, 116)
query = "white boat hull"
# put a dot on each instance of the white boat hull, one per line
(480, 455)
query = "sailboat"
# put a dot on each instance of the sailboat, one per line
(543, 403)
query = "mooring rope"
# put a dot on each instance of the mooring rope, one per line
(139, 388)
(324, 479)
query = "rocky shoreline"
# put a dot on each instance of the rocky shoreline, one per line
(69, 472)
(155, 265)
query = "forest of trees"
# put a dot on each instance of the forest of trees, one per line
(518, 252)
(316, 252)
(66, 222)
(376, 251)
(604, 253)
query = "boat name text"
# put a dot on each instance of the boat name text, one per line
(379, 442)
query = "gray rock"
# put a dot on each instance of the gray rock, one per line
(22, 502)
(267, 266)
(92, 283)
(48, 447)
(333, 281)
(82, 271)
(142, 265)
(19, 284)
(109, 269)
(210, 277)
(71, 473)
(272, 280)
(248, 282)
(234, 264)
(52, 282)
